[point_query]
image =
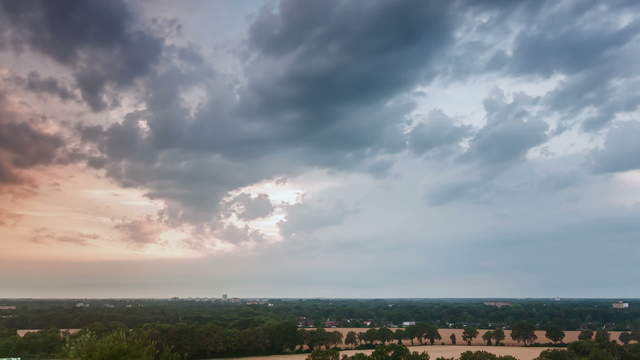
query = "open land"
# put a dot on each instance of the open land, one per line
(434, 351)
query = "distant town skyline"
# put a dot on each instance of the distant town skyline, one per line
(295, 149)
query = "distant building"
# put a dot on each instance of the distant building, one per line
(330, 324)
(7, 307)
(225, 297)
(408, 323)
(367, 322)
(82, 305)
(620, 305)
(303, 322)
(498, 304)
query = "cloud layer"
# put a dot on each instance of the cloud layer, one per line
(404, 129)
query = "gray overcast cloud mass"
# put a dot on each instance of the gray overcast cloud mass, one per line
(476, 143)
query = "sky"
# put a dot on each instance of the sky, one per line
(388, 148)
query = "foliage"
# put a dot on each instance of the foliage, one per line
(523, 332)
(487, 337)
(498, 335)
(483, 355)
(625, 337)
(593, 350)
(603, 335)
(469, 333)
(384, 335)
(331, 354)
(33, 345)
(585, 335)
(431, 333)
(555, 334)
(118, 345)
(351, 338)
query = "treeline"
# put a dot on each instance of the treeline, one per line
(185, 340)
(567, 315)
(599, 349)
(401, 352)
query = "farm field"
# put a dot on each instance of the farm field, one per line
(570, 336)
(448, 351)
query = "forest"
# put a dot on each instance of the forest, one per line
(186, 329)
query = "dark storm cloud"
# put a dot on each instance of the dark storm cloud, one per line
(321, 58)
(510, 132)
(23, 145)
(97, 39)
(42, 86)
(327, 85)
(316, 95)
(593, 53)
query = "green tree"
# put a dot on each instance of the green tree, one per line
(603, 335)
(498, 335)
(396, 352)
(399, 335)
(487, 337)
(331, 354)
(556, 354)
(483, 355)
(555, 334)
(335, 338)
(115, 346)
(625, 337)
(585, 335)
(432, 334)
(351, 339)
(469, 333)
(453, 338)
(523, 332)
(371, 335)
(419, 331)
(412, 332)
(385, 335)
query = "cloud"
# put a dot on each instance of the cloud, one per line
(8, 218)
(249, 207)
(42, 86)
(24, 145)
(318, 93)
(139, 233)
(305, 218)
(511, 130)
(237, 235)
(499, 156)
(437, 131)
(96, 39)
(47, 236)
(620, 150)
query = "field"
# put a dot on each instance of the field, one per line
(570, 336)
(448, 351)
